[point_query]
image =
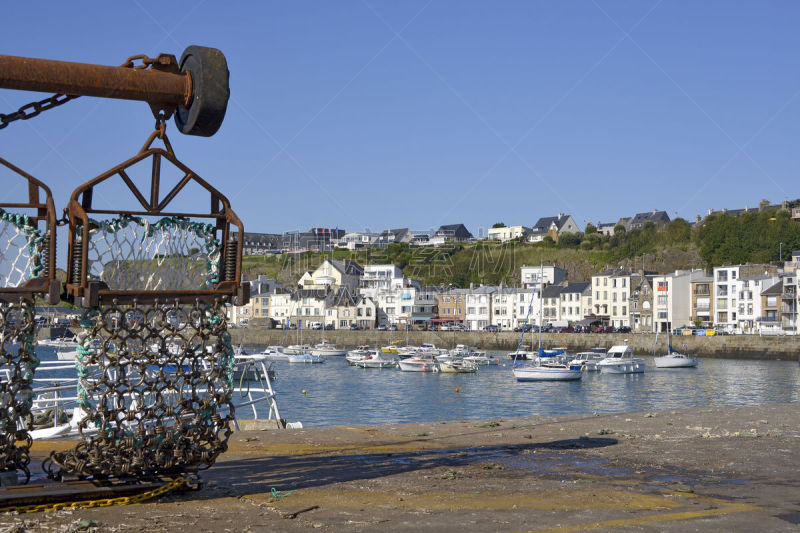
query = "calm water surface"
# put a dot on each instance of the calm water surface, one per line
(338, 394)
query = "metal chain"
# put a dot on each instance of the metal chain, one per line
(103, 502)
(33, 109)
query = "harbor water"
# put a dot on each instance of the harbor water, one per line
(334, 393)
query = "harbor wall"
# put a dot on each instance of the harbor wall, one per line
(777, 348)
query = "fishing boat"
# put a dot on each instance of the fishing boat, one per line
(419, 363)
(461, 350)
(674, 358)
(544, 367)
(391, 348)
(456, 366)
(620, 360)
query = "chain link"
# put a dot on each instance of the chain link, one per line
(33, 109)
(101, 502)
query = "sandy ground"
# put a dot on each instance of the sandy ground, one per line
(719, 469)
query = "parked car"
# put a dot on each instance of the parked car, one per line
(432, 327)
(623, 329)
(316, 325)
(566, 329)
(329, 327)
(459, 327)
(604, 329)
(354, 327)
(292, 326)
(492, 328)
(382, 327)
(393, 327)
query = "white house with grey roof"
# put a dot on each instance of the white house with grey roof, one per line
(553, 227)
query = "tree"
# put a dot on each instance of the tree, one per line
(590, 228)
(498, 225)
(619, 229)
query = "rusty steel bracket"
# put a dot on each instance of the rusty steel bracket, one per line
(46, 283)
(80, 290)
(196, 88)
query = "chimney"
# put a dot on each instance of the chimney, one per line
(699, 219)
(560, 216)
(471, 286)
(655, 211)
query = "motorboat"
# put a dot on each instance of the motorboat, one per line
(376, 359)
(407, 351)
(589, 359)
(305, 358)
(325, 349)
(427, 348)
(59, 342)
(620, 360)
(354, 356)
(522, 355)
(457, 366)
(481, 359)
(461, 350)
(391, 348)
(67, 355)
(419, 363)
(297, 349)
(249, 368)
(274, 353)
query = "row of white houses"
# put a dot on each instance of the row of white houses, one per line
(340, 294)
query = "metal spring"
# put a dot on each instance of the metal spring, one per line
(75, 267)
(45, 257)
(231, 259)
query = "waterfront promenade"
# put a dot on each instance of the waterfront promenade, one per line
(720, 469)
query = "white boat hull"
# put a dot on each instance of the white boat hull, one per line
(415, 366)
(622, 367)
(669, 361)
(457, 367)
(306, 358)
(542, 373)
(372, 363)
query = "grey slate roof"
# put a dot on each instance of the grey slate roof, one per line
(576, 286)
(775, 290)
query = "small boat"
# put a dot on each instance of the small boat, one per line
(589, 359)
(674, 358)
(548, 371)
(481, 359)
(407, 351)
(274, 353)
(620, 360)
(457, 366)
(353, 356)
(375, 359)
(297, 349)
(325, 349)
(461, 350)
(305, 358)
(392, 348)
(59, 342)
(70, 355)
(522, 355)
(427, 348)
(544, 368)
(419, 363)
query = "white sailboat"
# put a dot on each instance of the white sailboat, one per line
(674, 358)
(547, 369)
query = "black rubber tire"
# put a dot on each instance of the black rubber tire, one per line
(210, 91)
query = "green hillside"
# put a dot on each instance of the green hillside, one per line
(722, 239)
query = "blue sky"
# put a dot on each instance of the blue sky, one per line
(376, 114)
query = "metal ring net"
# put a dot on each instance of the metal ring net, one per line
(154, 382)
(21, 248)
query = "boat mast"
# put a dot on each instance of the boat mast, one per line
(541, 290)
